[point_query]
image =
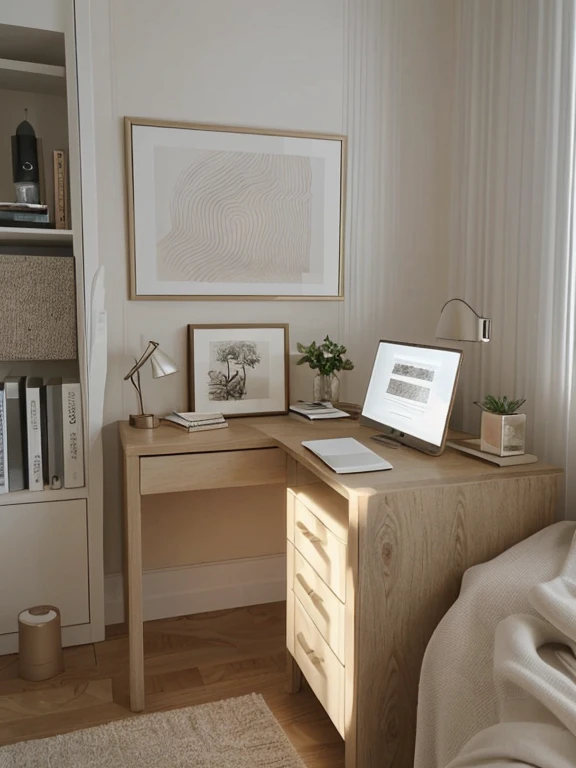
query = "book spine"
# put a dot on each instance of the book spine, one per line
(205, 423)
(35, 218)
(44, 433)
(16, 438)
(60, 190)
(3, 445)
(55, 436)
(72, 436)
(24, 207)
(34, 432)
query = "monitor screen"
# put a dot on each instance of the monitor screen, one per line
(411, 392)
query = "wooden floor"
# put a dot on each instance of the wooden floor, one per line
(189, 660)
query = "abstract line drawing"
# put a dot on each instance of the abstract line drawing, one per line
(240, 217)
(218, 211)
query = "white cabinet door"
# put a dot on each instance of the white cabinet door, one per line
(43, 559)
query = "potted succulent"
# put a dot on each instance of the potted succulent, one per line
(328, 359)
(503, 431)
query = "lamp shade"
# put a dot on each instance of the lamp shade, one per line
(162, 365)
(459, 322)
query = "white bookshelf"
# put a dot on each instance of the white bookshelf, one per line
(47, 495)
(32, 77)
(38, 237)
(45, 67)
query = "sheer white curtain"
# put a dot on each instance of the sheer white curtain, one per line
(512, 245)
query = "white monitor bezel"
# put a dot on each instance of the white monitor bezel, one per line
(409, 440)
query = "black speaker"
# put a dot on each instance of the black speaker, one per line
(25, 154)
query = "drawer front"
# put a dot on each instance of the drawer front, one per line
(320, 603)
(321, 548)
(43, 560)
(319, 666)
(203, 471)
(327, 505)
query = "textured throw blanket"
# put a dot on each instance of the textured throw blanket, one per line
(498, 682)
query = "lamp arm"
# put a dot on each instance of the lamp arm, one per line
(148, 352)
(138, 388)
(463, 302)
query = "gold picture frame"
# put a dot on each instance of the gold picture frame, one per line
(221, 357)
(161, 250)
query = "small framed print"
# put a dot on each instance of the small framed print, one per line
(238, 370)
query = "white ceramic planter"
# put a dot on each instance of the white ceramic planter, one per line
(503, 435)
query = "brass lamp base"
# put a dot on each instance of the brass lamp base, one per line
(143, 421)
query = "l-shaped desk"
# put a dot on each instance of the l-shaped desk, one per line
(374, 559)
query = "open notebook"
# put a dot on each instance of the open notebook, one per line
(345, 455)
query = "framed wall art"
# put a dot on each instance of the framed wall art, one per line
(216, 212)
(238, 370)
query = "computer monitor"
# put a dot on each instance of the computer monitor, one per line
(411, 393)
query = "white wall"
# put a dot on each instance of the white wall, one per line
(291, 65)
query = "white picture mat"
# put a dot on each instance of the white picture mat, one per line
(202, 362)
(145, 139)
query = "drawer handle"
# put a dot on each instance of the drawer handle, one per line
(305, 532)
(307, 650)
(309, 591)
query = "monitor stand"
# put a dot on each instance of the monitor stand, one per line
(386, 440)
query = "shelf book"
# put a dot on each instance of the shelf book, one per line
(41, 434)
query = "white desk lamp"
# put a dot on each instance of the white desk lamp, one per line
(459, 322)
(162, 365)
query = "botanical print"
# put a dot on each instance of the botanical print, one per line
(238, 370)
(235, 375)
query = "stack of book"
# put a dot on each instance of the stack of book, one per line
(195, 422)
(25, 215)
(41, 435)
(318, 411)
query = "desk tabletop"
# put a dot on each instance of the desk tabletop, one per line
(411, 469)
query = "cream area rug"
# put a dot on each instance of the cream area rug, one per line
(235, 733)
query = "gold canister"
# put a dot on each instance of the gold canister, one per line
(40, 643)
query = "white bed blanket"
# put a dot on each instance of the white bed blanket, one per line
(498, 682)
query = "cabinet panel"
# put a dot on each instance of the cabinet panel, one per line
(43, 559)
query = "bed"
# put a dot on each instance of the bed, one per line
(498, 681)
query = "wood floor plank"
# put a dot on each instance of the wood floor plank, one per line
(188, 660)
(237, 670)
(26, 704)
(54, 723)
(180, 680)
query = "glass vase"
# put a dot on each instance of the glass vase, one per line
(326, 387)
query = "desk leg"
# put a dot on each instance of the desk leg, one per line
(133, 579)
(294, 675)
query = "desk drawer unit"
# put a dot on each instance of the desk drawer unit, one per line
(203, 471)
(319, 665)
(318, 600)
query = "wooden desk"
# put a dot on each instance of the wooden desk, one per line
(409, 536)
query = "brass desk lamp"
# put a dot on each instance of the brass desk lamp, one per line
(162, 365)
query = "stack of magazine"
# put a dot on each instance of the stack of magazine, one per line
(24, 215)
(195, 422)
(318, 411)
(41, 435)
